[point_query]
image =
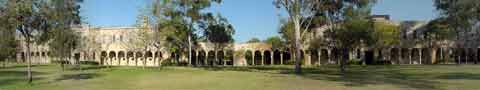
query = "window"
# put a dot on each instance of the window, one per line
(121, 38)
(113, 38)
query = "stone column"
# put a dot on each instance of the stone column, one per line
(420, 55)
(263, 57)
(410, 55)
(253, 58)
(271, 58)
(319, 57)
(223, 58)
(206, 58)
(466, 50)
(216, 60)
(107, 59)
(329, 55)
(196, 57)
(281, 58)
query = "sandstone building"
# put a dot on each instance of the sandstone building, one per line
(112, 46)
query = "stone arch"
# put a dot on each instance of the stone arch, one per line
(248, 57)
(471, 55)
(103, 57)
(277, 57)
(138, 54)
(257, 60)
(267, 57)
(158, 54)
(229, 57)
(175, 56)
(314, 57)
(478, 56)
(463, 53)
(220, 57)
(211, 58)
(121, 58)
(415, 53)
(394, 55)
(202, 57)
(121, 54)
(23, 56)
(404, 56)
(112, 54)
(43, 54)
(148, 54)
(129, 54)
(37, 54)
(287, 57)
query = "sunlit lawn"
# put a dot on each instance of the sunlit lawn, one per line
(405, 77)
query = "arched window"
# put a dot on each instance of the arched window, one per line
(121, 38)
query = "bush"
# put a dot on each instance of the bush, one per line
(168, 62)
(382, 62)
(89, 63)
(355, 62)
(60, 62)
(292, 62)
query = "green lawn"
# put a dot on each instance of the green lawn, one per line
(406, 77)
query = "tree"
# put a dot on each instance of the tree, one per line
(437, 32)
(8, 43)
(353, 34)
(302, 12)
(276, 42)
(34, 18)
(183, 17)
(63, 44)
(145, 38)
(385, 35)
(462, 16)
(297, 11)
(253, 40)
(219, 32)
(462, 19)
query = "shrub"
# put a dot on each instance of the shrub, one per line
(60, 62)
(89, 63)
(355, 62)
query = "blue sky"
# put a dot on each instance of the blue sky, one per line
(251, 18)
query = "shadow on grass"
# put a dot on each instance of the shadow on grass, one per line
(16, 77)
(16, 66)
(88, 67)
(356, 76)
(77, 76)
(459, 76)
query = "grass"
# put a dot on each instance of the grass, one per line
(404, 77)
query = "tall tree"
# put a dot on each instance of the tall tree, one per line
(436, 35)
(386, 35)
(182, 16)
(34, 18)
(276, 42)
(8, 43)
(297, 11)
(355, 33)
(462, 16)
(62, 45)
(218, 31)
(254, 40)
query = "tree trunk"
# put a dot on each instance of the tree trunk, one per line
(433, 56)
(62, 63)
(343, 59)
(29, 61)
(297, 47)
(189, 50)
